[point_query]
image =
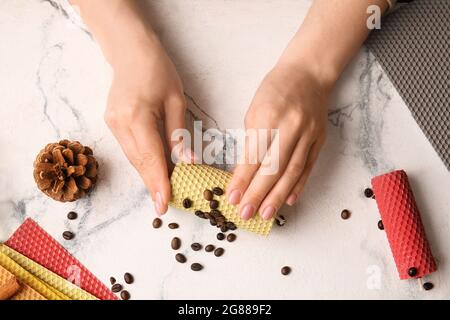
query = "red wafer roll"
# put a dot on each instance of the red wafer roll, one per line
(403, 226)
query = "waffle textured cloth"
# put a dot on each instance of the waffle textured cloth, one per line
(36, 244)
(413, 48)
(25, 292)
(403, 225)
(190, 180)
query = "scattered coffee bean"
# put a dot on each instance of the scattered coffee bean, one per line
(180, 258)
(368, 193)
(173, 225)
(212, 221)
(224, 228)
(157, 222)
(218, 252)
(68, 235)
(187, 203)
(128, 277)
(72, 215)
(345, 214)
(196, 246)
(380, 225)
(175, 243)
(196, 266)
(116, 288)
(125, 295)
(412, 271)
(214, 204)
(112, 280)
(216, 213)
(208, 195)
(200, 214)
(231, 237)
(285, 270)
(220, 236)
(207, 215)
(217, 191)
(209, 248)
(428, 286)
(230, 225)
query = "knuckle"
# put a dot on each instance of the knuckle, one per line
(144, 161)
(294, 170)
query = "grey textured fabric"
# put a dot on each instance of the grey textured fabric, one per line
(412, 47)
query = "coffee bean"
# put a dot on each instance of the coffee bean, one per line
(412, 271)
(125, 295)
(217, 191)
(212, 221)
(180, 258)
(128, 278)
(196, 246)
(207, 215)
(230, 225)
(345, 214)
(112, 280)
(208, 195)
(72, 215)
(218, 252)
(187, 203)
(175, 243)
(216, 213)
(380, 225)
(157, 222)
(116, 288)
(68, 235)
(173, 225)
(200, 214)
(220, 224)
(224, 228)
(428, 286)
(285, 270)
(209, 248)
(368, 193)
(220, 236)
(214, 204)
(231, 237)
(196, 266)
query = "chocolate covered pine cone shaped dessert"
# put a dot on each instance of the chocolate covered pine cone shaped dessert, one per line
(65, 170)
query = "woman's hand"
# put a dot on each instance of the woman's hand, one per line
(291, 100)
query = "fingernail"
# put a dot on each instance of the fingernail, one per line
(234, 197)
(268, 212)
(247, 212)
(291, 200)
(158, 204)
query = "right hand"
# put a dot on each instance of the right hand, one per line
(146, 90)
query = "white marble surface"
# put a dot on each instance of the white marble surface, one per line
(53, 85)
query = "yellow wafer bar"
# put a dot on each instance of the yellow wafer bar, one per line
(24, 293)
(27, 278)
(190, 180)
(52, 279)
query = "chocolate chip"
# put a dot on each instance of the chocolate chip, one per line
(345, 214)
(180, 258)
(157, 222)
(196, 266)
(218, 252)
(68, 235)
(187, 203)
(231, 237)
(200, 214)
(208, 195)
(428, 286)
(209, 248)
(173, 225)
(380, 225)
(224, 228)
(214, 204)
(220, 236)
(72, 215)
(285, 270)
(217, 191)
(125, 295)
(412, 272)
(128, 278)
(175, 243)
(112, 280)
(230, 225)
(196, 246)
(116, 288)
(368, 193)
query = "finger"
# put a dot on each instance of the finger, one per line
(278, 194)
(150, 160)
(263, 182)
(300, 185)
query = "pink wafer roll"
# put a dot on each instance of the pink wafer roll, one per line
(403, 226)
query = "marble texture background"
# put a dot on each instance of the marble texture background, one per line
(54, 82)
